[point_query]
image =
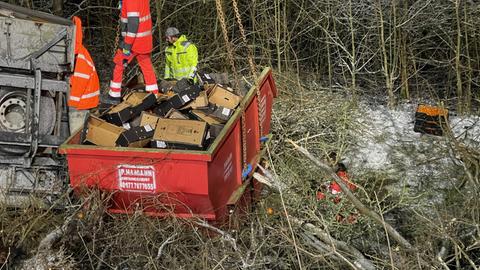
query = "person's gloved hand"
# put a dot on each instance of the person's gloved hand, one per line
(126, 52)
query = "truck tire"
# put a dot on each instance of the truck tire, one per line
(12, 116)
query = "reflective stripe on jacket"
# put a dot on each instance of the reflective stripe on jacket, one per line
(181, 59)
(136, 26)
(84, 83)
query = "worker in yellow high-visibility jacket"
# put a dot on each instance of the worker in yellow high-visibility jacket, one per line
(181, 56)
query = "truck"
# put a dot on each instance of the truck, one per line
(39, 159)
(36, 61)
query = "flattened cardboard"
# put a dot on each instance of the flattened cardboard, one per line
(222, 97)
(149, 119)
(102, 133)
(178, 131)
(136, 136)
(204, 117)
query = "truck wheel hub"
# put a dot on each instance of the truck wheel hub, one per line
(12, 114)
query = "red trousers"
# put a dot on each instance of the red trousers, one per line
(145, 65)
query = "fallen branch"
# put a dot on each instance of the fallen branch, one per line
(332, 244)
(359, 205)
(268, 179)
(42, 259)
(330, 251)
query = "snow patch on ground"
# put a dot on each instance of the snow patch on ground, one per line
(385, 142)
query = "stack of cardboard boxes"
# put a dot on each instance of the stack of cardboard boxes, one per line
(189, 116)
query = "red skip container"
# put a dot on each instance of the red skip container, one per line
(182, 183)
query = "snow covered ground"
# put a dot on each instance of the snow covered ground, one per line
(386, 143)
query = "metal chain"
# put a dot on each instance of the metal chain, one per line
(221, 16)
(251, 62)
(244, 141)
(230, 53)
(117, 39)
(253, 68)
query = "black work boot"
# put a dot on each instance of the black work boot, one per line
(107, 99)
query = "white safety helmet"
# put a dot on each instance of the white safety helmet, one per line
(172, 31)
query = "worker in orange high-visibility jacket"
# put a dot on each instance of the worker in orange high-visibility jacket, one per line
(84, 83)
(136, 29)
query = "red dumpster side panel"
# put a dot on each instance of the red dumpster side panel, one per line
(252, 132)
(149, 183)
(268, 91)
(224, 172)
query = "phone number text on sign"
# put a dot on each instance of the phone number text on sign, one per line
(136, 178)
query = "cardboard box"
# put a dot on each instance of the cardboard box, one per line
(201, 115)
(119, 114)
(205, 78)
(102, 133)
(215, 130)
(166, 85)
(220, 96)
(222, 114)
(142, 101)
(136, 136)
(162, 97)
(178, 146)
(200, 102)
(175, 132)
(174, 102)
(181, 85)
(192, 91)
(175, 114)
(163, 108)
(149, 119)
(133, 104)
(177, 101)
(208, 87)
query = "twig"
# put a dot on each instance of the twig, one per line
(164, 244)
(101, 259)
(6, 259)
